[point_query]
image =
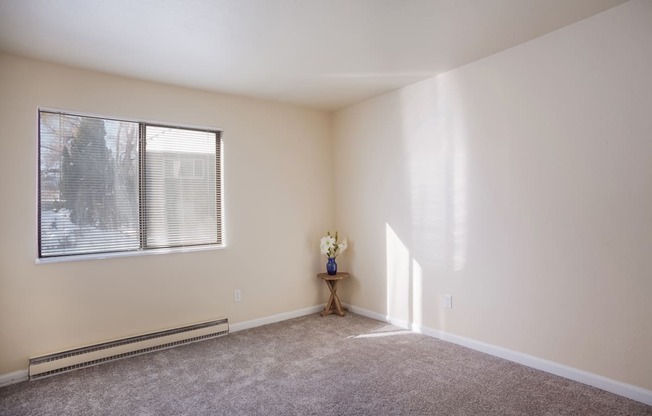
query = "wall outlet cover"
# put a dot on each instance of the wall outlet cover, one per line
(448, 301)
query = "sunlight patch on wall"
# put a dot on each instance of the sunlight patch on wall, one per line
(427, 243)
(398, 276)
(434, 137)
(417, 293)
(427, 165)
(459, 197)
(451, 129)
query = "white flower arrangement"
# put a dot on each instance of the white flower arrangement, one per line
(331, 247)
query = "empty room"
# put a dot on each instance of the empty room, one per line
(333, 207)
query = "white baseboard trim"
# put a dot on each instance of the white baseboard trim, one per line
(274, 318)
(617, 387)
(13, 378)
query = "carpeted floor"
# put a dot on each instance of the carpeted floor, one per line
(313, 366)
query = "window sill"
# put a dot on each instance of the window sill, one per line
(150, 252)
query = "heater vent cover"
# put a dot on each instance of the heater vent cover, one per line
(64, 361)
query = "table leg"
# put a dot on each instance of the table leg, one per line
(334, 305)
(338, 305)
(329, 308)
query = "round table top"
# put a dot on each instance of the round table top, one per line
(338, 276)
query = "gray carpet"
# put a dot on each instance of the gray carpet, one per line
(313, 366)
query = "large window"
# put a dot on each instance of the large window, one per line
(117, 186)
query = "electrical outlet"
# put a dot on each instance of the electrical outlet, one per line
(237, 295)
(448, 301)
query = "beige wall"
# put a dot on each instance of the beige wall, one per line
(278, 203)
(522, 185)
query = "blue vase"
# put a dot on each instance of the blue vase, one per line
(331, 266)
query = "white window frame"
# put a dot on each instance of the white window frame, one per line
(220, 206)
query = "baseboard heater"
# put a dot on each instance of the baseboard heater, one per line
(64, 361)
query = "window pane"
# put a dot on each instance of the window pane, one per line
(181, 187)
(88, 187)
(109, 186)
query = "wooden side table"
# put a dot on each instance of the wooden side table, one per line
(333, 305)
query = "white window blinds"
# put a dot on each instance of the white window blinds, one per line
(113, 186)
(181, 187)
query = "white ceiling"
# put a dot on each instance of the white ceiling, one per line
(324, 54)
